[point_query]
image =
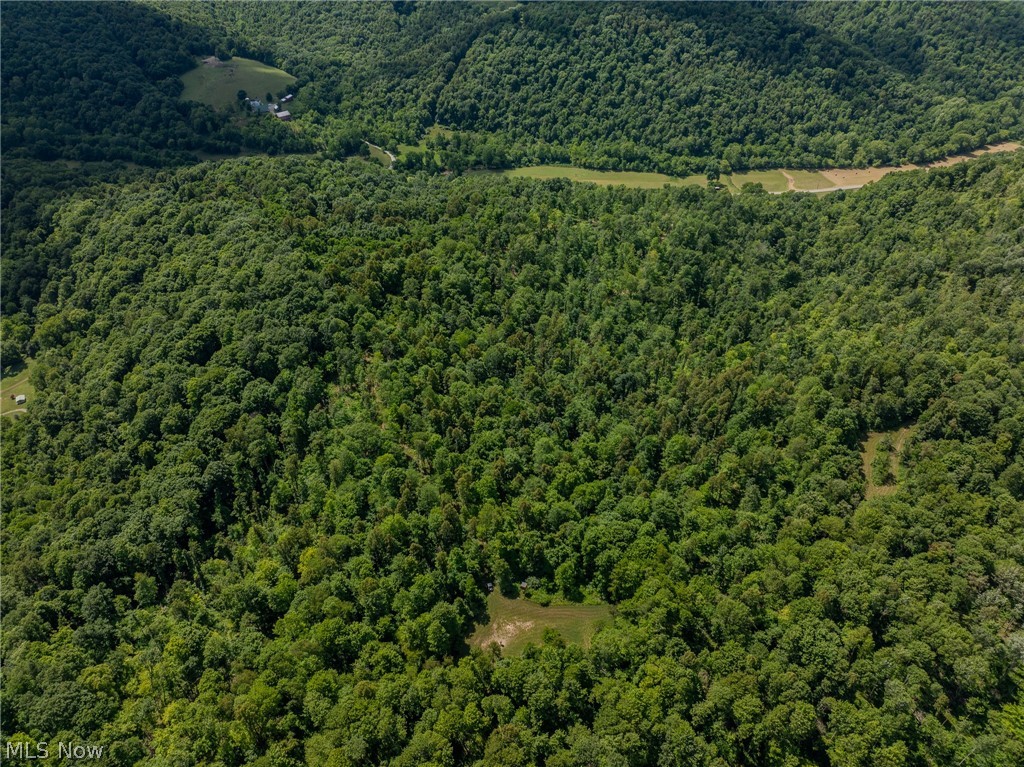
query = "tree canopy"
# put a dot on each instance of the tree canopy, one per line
(293, 415)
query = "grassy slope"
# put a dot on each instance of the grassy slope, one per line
(219, 86)
(380, 156)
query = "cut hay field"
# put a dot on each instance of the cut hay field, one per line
(861, 176)
(217, 84)
(774, 181)
(516, 623)
(808, 180)
(12, 386)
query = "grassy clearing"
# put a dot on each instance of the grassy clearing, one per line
(12, 386)
(774, 181)
(380, 155)
(516, 623)
(809, 179)
(435, 130)
(218, 84)
(605, 177)
(771, 180)
(869, 455)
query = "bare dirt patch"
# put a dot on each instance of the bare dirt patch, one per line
(503, 632)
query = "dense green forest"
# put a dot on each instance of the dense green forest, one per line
(87, 81)
(90, 94)
(628, 86)
(669, 87)
(293, 415)
(100, 82)
(672, 87)
(679, 87)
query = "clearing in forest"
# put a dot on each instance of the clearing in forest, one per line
(435, 130)
(634, 179)
(14, 386)
(383, 156)
(516, 623)
(771, 180)
(774, 181)
(808, 180)
(217, 83)
(880, 460)
(848, 177)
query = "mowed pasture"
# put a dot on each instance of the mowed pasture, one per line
(634, 179)
(217, 83)
(775, 181)
(517, 623)
(771, 180)
(12, 386)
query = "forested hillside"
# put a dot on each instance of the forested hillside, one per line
(294, 415)
(676, 87)
(671, 87)
(89, 81)
(297, 427)
(750, 86)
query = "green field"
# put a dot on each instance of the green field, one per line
(516, 623)
(218, 85)
(774, 181)
(771, 180)
(606, 177)
(12, 386)
(810, 179)
(380, 155)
